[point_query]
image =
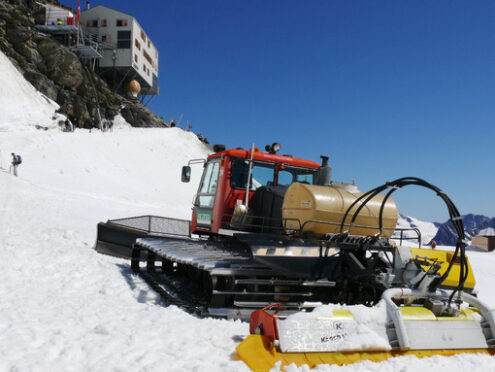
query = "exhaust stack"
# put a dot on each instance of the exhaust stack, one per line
(325, 172)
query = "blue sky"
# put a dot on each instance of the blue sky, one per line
(385, 88)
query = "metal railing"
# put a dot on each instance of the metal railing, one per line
(393, 229)
(155, 225)
(263, 225)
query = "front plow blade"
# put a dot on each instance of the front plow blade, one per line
(345, 336)
(260, 354)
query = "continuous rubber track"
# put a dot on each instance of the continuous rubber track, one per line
(218, 279)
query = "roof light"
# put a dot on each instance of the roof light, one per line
(274, 148)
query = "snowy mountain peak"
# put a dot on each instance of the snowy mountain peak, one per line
(428, 230)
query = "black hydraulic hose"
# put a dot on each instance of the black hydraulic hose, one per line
(464, 269)
(354, 203)
(382, 208)
(455, 218)
(370, 194)
(373, 193)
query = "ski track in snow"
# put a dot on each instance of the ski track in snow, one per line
(64, 307)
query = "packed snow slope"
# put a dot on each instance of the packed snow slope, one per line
(66, 308)
(21, 104)
(428, 230)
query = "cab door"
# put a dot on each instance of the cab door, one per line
(205, 199)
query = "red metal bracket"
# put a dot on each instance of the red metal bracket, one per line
(265, 323)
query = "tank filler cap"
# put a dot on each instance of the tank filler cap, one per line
(349, 187)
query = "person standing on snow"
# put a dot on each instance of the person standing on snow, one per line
(16, 160)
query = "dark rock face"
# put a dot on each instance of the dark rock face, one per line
(42, 83)
(473, 224)
(59, 74)
(446, 235)
(63, 66)
(135, 113)
(29, 51)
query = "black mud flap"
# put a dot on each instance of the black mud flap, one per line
(116, 240)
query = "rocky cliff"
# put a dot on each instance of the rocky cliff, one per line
(59, 74)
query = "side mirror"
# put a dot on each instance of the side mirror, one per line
(186, 173)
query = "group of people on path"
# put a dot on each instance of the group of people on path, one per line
(202, 139)
(67, 126)
(189, 129)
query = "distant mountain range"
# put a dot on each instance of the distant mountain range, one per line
(444, 233)
(474, 224)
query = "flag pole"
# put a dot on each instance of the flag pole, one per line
(78, 21)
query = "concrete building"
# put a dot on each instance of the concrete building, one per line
(128, 53)
(57, 15)
(60, 22)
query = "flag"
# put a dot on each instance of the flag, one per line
(78, 11)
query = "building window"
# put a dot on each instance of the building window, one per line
(103, 38)
(143, 36)
(121, 23)
(123, 39)
(149, 43)
(147, 57)
(92, 23)
(135, 58)
(137, 44)
(144, 67)
(103, 23)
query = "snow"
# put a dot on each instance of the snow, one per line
(66, 308)
(488, 231)
(26, 106)
(361, 313)
(428, 230)
(365, 332)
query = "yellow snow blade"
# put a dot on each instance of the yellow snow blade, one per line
(259, 353)
(445, 257)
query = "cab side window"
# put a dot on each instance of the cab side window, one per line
(209, 185)
(285, 178)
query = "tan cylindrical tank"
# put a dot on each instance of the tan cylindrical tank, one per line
(305, 202)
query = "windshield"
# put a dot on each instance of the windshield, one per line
(292, 174)
(262, 174)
